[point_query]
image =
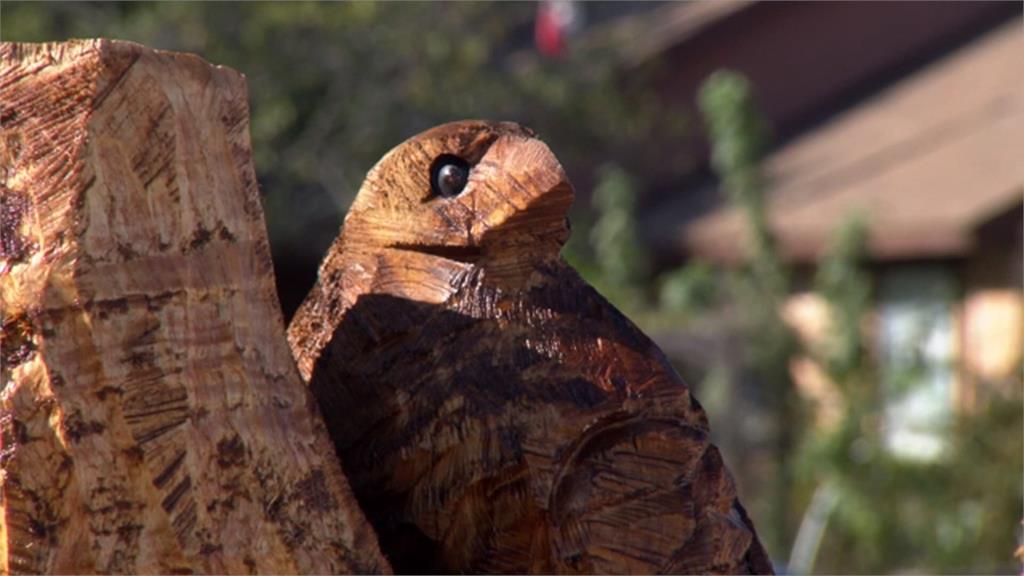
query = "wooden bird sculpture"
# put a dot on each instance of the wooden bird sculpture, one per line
(492, 411)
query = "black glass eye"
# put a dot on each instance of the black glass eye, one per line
(448, 175)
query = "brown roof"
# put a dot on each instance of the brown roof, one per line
(925, 162)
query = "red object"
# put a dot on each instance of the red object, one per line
(549, 30)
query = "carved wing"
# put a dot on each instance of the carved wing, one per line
(539, 432)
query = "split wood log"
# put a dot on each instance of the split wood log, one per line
(153, 420)
(493, 412)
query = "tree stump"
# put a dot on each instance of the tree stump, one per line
(152, 417)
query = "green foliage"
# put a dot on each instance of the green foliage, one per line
(846, 287)
(955, 515)
(759, 289)
(688, 290)
(614, 237)
(739, 139)
(738, 134)
(605, 247)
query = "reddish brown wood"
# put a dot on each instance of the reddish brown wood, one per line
(493, 412)
(151, 418)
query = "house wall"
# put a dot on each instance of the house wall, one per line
(807, 314)
(993, 309)
(993, 337)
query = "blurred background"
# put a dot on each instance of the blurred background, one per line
(814, 208)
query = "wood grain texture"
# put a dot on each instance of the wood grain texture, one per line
(152, 417)
(492, 411)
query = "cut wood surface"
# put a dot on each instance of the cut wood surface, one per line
(153, 420)
(493, 412)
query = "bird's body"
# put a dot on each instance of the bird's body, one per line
(492, 411)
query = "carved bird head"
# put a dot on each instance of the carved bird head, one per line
(471, 191)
